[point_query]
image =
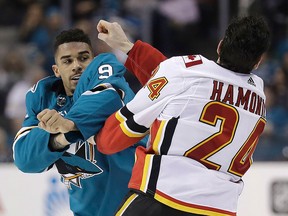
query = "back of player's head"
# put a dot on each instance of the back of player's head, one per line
(71, 35)
(245, 40)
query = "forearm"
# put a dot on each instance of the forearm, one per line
(90, 118)
(112, 139)
(31, 151)
(142, 60)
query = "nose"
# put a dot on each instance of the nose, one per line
(77, 67)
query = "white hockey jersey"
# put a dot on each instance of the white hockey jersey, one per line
(204, 123)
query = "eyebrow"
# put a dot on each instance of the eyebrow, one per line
(80, 53)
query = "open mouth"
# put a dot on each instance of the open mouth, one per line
(76, 77)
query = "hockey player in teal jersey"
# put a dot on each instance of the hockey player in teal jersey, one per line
(96, 182)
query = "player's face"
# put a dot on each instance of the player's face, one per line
(71, 60)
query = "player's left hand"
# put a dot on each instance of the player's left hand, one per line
(114, 36)
(53, 122)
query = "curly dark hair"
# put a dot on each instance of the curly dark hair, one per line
(71, 35)
(245, 40)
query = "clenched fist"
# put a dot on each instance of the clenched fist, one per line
(114, 36)
(53, 122)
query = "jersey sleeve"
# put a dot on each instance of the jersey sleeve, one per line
(30, 148)
(132, 122)
(92, 109)
(95, 96)
(142, 60)
(102, 67)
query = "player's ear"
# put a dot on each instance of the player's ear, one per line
(258, 63)
(56, 70)
(219, 46)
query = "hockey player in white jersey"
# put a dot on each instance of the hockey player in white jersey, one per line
(204, 119)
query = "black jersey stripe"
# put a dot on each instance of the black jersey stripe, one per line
(169, 132)
(132, 125)
(154, 173)
(126, 113)
(99, 88)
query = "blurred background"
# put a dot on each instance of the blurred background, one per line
(175, 27)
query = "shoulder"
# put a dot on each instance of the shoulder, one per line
(103, 64)
(44, 89)
(43, 94)
(188, 60)
(46, 84)
(184, 65)
(258, 81)
(107, 57)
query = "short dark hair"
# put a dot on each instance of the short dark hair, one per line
(71, 35)
(245, 40)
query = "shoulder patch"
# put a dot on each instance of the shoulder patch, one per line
(192, 60)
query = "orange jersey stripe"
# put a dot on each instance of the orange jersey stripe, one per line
(112, 138)
(139, 172)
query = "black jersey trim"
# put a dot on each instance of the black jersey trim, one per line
(154, 174)
(169, 132)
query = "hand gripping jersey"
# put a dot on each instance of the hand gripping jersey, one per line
(204, 123)
(96, 182)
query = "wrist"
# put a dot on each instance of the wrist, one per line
(67, 126)
(58, 142)
(127, 46)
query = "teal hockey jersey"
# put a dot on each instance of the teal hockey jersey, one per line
(96, 182)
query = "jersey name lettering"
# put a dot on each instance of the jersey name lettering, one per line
(248, 100)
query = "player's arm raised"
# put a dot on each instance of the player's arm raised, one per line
(142, 57)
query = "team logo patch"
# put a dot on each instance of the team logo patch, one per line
(71, 173)
(192, 60)
(61, 100)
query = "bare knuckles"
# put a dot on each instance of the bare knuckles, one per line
(50, 120)
(114, 36)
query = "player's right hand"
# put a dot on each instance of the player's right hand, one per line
(114, 36)
(53, 122)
